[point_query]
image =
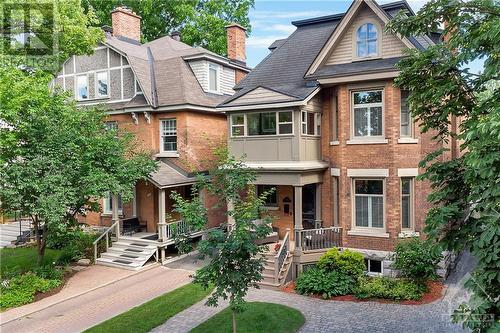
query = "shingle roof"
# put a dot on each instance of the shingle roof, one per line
(165, 78)
(168, 175)
(284, 69)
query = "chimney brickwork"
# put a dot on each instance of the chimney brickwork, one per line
(236, 35)
(126, 23)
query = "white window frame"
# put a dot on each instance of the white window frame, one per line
(378, 54)
(238, 125)
(162, 135)
(410, 120)
(381, 104)
(77, 95)
(111, 125)
(106, 205)
(368, 272)
(304, 123)
(411, 196)
(245, 122)
(218, 69)
(353, 200)
(97, 94)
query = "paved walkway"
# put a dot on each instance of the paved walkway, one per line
(90, 308)
(345, 317)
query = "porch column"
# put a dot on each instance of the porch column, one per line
(134, 202)
(162, 225)
(297, 216)
(318, 223)
(114, 213)
(230, 219)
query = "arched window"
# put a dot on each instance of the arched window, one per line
(366, 40)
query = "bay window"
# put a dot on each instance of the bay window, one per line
(168, 135)
(311, 123)
(262, 123)
(369, 203)
(367, 112)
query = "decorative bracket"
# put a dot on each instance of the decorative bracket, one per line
(135, 118)
(147, 116)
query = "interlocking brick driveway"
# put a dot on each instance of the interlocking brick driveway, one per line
(345, 317)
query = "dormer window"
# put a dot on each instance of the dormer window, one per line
(213, 77)
(367, 41)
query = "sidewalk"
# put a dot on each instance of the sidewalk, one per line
(92, 296)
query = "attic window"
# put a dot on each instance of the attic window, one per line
(366, 41)
(213, 77)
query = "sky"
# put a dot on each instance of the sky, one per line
(271, 20)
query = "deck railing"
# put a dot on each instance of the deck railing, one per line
(176, 227)
(102, 243)
(322, 238)
(280, 257)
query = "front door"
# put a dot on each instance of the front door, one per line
(309, 206)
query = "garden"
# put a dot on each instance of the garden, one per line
(341, 275)
(24, 280)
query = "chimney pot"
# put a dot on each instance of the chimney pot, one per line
(236, 38)
(176, 35)
(126, 23)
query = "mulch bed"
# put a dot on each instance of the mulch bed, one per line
(435, 291)
(67, 275)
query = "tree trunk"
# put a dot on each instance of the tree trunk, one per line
(40, 240)
(234, 321)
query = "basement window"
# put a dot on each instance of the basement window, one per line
(373, 266)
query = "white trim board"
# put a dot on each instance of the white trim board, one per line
(408, 172)
(367, 172)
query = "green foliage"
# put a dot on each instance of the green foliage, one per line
(56, 159)
(258, 317)
(73, 242)
(19, 260)
(75, 31)
(22, 289)
(349, 262)
(466, 191)
(389, 288)
(317, 281)
(416, 259)
(153, 313)
(202, 22)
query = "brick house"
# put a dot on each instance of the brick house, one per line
(166, 93)
(341, 148)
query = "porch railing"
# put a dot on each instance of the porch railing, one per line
(102, 243)
(322, 238)
(279, 259)
(176, 227)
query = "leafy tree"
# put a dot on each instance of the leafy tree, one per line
(466, 189)
(56, 159)
(202, 22)
(62, 23)
(236, 262)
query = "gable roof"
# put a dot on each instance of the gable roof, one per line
(286, 68)
(162, 73)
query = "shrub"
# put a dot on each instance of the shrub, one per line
(79, 247)
(416, 259)
(349, 262)
(317, 281)
(49, 272)
(389, 288)
(22, 289)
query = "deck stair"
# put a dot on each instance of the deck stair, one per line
(277, 266)
(128, 253)
(10, 231)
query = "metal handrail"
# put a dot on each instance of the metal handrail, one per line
(280, 257)
(105, 233)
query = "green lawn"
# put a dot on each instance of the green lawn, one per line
(258, 317)
(23, 259)
(147, 316)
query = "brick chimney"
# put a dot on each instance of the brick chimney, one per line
(126, 23)
(236, 35)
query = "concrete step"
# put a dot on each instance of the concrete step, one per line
(118, 264)
(134, 245)
(269, 285)
(126, 257)
(122, 251)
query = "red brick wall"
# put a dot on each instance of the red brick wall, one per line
(372, 156)
(126, 23)
(236, 36)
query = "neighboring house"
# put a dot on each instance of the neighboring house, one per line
(341, 148)
(166, 93)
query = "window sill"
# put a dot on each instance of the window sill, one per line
(367, 141)
(334, 143)
(408, 234)
(271, 207)
(167, 154)
(407, 140)
(368, 233)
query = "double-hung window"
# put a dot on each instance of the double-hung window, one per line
(366, 41)
(406, 203)
(369, 203)
(262, 123)
(102, 86)
(82, 87)
(213, 77)
(108, 205)
(168, 135)
(311, 123)
(367, 114)
(272, 197)
(238, 125)
(406, 121)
